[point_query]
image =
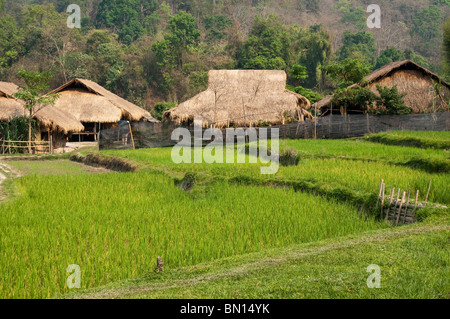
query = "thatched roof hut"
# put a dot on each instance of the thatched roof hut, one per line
(91, 103)
(410, 78)
(242, 98)
(49, 117)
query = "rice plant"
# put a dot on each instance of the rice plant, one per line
(115, 225)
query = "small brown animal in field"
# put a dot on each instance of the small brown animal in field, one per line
(159, 264)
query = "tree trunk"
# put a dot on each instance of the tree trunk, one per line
(29, 131)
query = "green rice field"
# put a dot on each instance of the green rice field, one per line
(115, 225)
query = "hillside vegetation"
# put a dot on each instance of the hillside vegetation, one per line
(160, 51)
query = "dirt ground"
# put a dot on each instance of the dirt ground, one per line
(72, 147)
(54, 167)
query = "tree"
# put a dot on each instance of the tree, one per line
(312, 96)
(359, 45)
(356, 98)
(390, 101)
(427, 26)
(171, 54)
(267, 46)
(416, 58)
(11, 42)
(216, 26)
(32, 95)
(348, 72)
(390, 54)
(48, 36)
(160, 108)
(298, 72)
(127, 17)
(183, 35)
(315, 51)
(446, 61)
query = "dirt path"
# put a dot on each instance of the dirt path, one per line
(5, 172)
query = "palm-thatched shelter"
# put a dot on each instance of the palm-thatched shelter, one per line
(242, 98)
(53, 124)
(417, 82)
(96, 107)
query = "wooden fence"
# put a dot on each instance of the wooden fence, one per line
(331, 127)
(338, 127)
(37, 147)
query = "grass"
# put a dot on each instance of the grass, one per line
(115, 225)
(230, 235)
(437, 140)
(414, 263)
(354, 164)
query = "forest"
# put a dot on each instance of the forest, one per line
(158, 53)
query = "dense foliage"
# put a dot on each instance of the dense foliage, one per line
(161, 50)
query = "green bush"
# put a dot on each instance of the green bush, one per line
(390, 101)
(16, 129)
(289, 157)
(355, 98)
(312, 96)
(160, 108)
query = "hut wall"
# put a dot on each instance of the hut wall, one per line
(59, 140)
(419, 89)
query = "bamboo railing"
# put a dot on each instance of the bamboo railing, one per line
(37, 147)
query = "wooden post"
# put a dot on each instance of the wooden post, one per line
(428, 193)
(379, 193)
(395, 205)
(406, 208)
(382, 199)
(132, 139)
(368, 123)
(400, 208)
(51, 142)
(390, 203)
(315, 121)
(415, 205)
(98, 139)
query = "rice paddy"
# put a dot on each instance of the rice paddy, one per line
(114, 226)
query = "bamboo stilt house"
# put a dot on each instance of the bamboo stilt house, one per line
(242, 98)
(417, 82)
(52, 123)
(96, 107)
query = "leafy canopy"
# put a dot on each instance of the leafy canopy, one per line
(348, 72)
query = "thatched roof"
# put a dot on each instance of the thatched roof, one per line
(392, 67)
(242, 98)
(49, 117)
(58, 120)
(9, 108)
(8, 89)
(90, 102)
(385, 72)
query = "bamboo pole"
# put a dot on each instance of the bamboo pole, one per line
(415, 205)
(132, 139)
(428, 193)
(390, 203)
(406, 208)
(382, 199)
(315, 121)
(379, 193)
(395, 205)
(400, 208)
(98, 139)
